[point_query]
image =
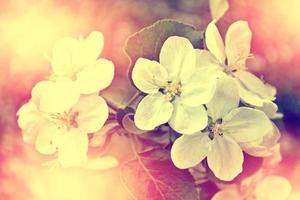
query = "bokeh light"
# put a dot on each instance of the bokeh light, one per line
(28, 29)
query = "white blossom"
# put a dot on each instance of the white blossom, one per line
(229, 125)
(64, 132)
(176, 88)
(231, 59)
(77, 61)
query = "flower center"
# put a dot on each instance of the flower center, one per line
(215, 129)
(65, 120)
(171, 90)
(239, 64)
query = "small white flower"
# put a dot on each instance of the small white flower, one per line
(231, 59)
(63, 132)
(65, 109)
(270, 188)
(229, 126)
(77, 60)
(176, 88)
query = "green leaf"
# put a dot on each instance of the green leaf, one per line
(147, 42)
(152, 175)
(119, 94)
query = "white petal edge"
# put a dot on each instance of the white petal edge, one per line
(47, 139)
(200, 88)
(238, 44)
(214, 42)
(256, 85)
(152, 111)
(270, 108)
(58, 97)
(225, 99)
(218, 8)
(72, 148)
(64, 55)
(93, 45)
(264, 146)
(30, 121)
(92, 113)
(248, 96)
(189, 150)
(188, 120)
(95, 77)
(245, 124)
(177, 55)
(148, 76)
(225, 158)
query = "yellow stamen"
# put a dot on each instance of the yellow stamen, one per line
(171, 90)
(65, 120)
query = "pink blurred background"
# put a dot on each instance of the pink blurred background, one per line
(28, 29)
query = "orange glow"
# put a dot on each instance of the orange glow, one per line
(64, 184)
(30, 33)
(276, 28)
(28, 30)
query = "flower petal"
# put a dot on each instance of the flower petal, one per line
(200, 88)
(228, 194)
(224, 99)
(92, 113)
(148, 76)
(58, 97)
(273, 188)
(246, 124)
(238, 44)
(95, 77)
(256, 85)
(269, 108)
(64, 55)
(153, 111)
(186, 119)
(225, 158)
(72, 149)
(248, 96)
(38, 89)
(214, 42)
(263, 146)
(177, 55)
(218, 8)
(30, 121)
(47, 139)
(189, 150)
(205, 58)
(92, 46)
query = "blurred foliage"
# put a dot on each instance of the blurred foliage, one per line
(275, 42)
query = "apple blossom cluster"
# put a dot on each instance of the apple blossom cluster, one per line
(216, 107)
(66, 108)
(210, 98)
